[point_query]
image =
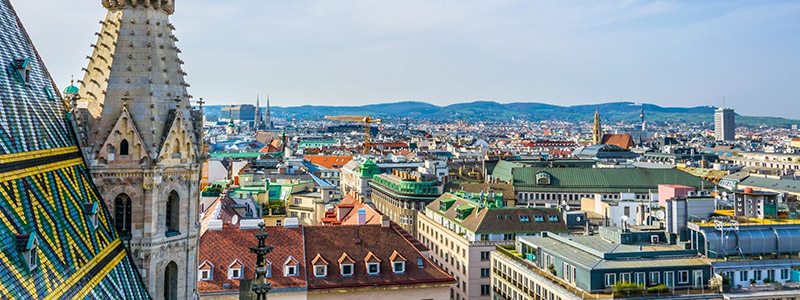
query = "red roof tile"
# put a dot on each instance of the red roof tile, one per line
(328, 161)
(624, 141)
(222, 247)
(331, 241)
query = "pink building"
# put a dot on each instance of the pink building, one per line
(668, 191)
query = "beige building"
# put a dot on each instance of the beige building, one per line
(462, 229)
(143, 141)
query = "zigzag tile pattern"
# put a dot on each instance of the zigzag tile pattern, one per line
(44, 186)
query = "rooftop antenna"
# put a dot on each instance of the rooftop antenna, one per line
(723, 102)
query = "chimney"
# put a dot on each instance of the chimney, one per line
(385, 223)
(362, 216)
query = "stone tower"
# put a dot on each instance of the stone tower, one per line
(597, 129)
(143, 142)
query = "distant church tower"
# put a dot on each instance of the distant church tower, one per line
(143, 142)
(597, 129)
(269, 118)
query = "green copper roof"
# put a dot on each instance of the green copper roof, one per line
(406, 186)
(602, 180)
(71, 90)
(368, 169)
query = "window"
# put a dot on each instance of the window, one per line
(538, 218)
(757, 275)
(627, 211)
(290, 267)
(524, 218)
(742, 275)
(485, 289)
(373, 268)
(611, 279)
(320, 271)
(485, 255)
(552, 218)
(485, 272)
(122, 216)
(625, 277)
(347, 270)
(277, 222)
(669, 278)
(683, 277)
(419, 263)
(399, 267)
(484, 237)
(698, 278)
(205, 275)
(638, 278)
(123, 147)
(172, 214)
(655, 278)
(784, 274)
(90, 210)
(235, 269)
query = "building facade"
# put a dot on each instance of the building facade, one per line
(143, 141)
(724, 124)
(401, 195)
(462, 229)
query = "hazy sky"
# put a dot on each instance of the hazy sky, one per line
(351, 52)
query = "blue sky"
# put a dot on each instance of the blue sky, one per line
(352, 52)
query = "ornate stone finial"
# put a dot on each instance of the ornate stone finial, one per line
(261, 286)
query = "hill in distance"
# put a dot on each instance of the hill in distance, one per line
(493, 111)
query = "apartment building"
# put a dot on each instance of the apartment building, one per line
(462, 229)
(400, 195)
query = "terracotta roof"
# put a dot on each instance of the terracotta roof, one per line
(624, 141)
(367, 242)
(328, 161)
(223, 247)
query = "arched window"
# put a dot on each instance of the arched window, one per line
(173, 202)
(171, 281)
(123, 147)
(122, 215)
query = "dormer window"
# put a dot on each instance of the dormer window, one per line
(27, 245)
(21, 68)
(320, 266)
(398, 263)
(90, 210)
(205, 271)
(543, 178)
(290, 267)
(538, 218)
(373, 264)
(346, 265)
(420, 263)
(524, 218)
(552, 218)
(236, 270)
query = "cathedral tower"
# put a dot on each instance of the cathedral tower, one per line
(597, 129)
(143, 139)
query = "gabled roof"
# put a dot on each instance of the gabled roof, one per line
(236, 264)
(624, 141)
(345, 258)
(291, 261)
(206, 265)
(371, 258)
(319, 261)
(396, 256)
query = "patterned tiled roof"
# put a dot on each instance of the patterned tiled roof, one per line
(44, 189)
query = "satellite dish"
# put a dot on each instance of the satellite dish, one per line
(566, 207)
(578, 219)
(660, 215)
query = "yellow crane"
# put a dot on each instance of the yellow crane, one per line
(361, 119)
